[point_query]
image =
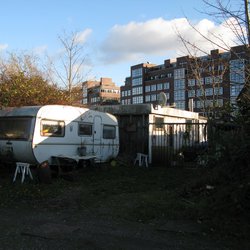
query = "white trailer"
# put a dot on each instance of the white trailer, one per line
(35, 134)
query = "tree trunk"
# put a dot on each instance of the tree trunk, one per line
(247, 20)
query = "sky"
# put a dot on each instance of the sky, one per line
(116, 34)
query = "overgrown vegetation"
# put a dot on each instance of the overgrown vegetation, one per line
(228, 201)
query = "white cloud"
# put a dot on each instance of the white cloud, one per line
(81, 37)
(158, 37)
(3, 46)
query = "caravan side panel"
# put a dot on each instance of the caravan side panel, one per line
(56, 132)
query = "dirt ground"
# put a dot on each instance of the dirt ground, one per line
(59, 224)
(53, 226)
(68, 229)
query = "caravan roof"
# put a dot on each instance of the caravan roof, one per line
(52, 111)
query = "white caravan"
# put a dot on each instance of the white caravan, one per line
(38, 133)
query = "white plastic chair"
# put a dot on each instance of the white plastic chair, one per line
(142, 159)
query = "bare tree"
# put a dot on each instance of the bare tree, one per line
(235, 16)
(71, 70)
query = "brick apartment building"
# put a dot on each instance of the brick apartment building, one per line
(200, 84)
(100, 92)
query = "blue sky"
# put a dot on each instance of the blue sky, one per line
(117, 33)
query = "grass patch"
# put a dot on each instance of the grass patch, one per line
(28, 193)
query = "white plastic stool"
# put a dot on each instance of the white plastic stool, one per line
(24, 169)
(142, 159)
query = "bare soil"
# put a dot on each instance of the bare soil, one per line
(72, 229)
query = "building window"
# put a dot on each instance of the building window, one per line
(200, 81)
(147, 98)
(213, 79)
(209, 91)
(166, 85)
(153, 97)
(147, 89)
(153, 87)
(218, 79)
(179, 84)
(200, 92)
(198, 104)
(179, 95)
(237, 78)
(136, 81)
(209, 103)
(137, 91)
(191, 82)
(219, 102)
(95, 99)
(237, 71)
(137, 99)
(235, 90)
(237, 64)
(126, 101)
(208, 80)
(179, 73)
(159, 86)
(136, 72)
(191, 93)
(218, 91)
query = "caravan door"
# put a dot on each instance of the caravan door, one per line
(98, 137)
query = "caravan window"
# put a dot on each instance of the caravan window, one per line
(108, 132)
(15, 128)
(52, 128)
(85, 129)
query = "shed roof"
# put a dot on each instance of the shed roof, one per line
(146, 109)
